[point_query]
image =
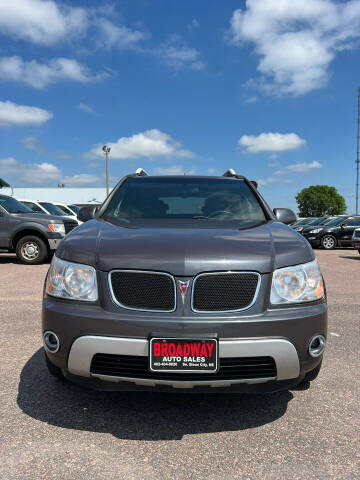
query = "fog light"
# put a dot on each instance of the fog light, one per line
(51, 342)
(317, 346)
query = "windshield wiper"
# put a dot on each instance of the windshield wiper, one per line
(200, 217)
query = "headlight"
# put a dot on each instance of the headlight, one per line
(72, 281)
(299, 229)
(302, 283)
(316, 230)
(57, 227)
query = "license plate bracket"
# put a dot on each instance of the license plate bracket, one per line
(183, 355)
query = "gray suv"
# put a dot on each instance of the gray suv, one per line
(33, 237)
(185, 283)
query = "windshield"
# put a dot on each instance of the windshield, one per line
(327, 220)
(318, 221)
(75, 208)
(12, 205)
(304, 221)
(65, 210)
(53, 209)
(336, 221)
(185, 198)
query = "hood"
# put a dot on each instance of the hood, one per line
(185, 250)
(42, 217)
(312, 227)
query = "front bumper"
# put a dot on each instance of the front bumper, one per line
(313, 239)
(54, 240)
(282, 334)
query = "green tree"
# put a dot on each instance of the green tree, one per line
(320, 200)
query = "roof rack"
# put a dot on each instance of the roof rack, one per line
(229, 173)
(141, 173)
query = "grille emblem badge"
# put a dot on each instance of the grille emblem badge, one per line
(183, 288)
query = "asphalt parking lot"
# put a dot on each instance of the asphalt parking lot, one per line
(53, 430)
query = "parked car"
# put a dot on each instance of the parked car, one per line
(186, 282)
(48, 208)
(302, 222)
(316, 222)
(69, 210)
(356, 239)
(31, 235)
(336, 233)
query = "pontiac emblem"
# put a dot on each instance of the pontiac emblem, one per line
(183, 288)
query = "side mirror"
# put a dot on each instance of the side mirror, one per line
(87, 213)
(284, 215)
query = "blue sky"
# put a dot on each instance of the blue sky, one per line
(267, 88)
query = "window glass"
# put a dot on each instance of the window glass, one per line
(33, 207)
(354, 222)
(191, 198)
(75, 208)
(304, 221)
(53, 209)
(65, 210)
(335, 221)
(12, 205)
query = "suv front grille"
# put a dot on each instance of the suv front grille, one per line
(69, 225)
(224, 292)
(142, 290)
(130, 366)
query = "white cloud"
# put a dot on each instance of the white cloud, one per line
(32, 143)
(296, 40)
(41, 21)
(151, 143)
(268, 180)
(119, 36)
(178, 55)
(48, 22)
(39, 75)
(252, 99)
(44, 174)
(299, 167)
(86, 108)
(274, 163)
(212, 171)
(8, 165)
(13, 114)
(295, 168)
(81, 180)
(194, 24)
(174, 170)
(271, 142)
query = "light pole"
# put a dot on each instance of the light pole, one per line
(107, 150)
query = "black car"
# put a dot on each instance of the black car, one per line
(308, 225)
(336, 233)
(302, 222)
(185, 282)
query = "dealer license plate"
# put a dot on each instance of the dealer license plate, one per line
(183, 355)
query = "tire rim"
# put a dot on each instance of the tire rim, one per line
(30, 250)
(328, 242)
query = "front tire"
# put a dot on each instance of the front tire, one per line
(31, 250)
(328, 242)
